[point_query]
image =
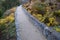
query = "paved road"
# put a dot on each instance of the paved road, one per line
(25, 29)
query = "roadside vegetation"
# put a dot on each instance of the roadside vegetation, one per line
(47, 13)
(7, 25)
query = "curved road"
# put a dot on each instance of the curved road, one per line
(25, 28)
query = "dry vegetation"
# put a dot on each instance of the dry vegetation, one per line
(45, 12)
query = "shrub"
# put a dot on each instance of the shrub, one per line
(7, 4)
(57, 13)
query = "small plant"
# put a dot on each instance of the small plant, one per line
(57, 13)
(38, 6)
(57, 28)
